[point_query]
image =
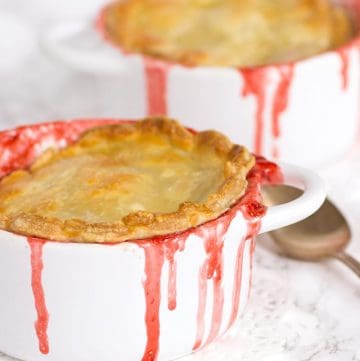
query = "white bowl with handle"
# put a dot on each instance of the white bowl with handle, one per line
(152, 299)
(305, 112)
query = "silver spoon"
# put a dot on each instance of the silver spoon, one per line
(323, 235)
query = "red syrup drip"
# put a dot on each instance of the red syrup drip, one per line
(344, 56)
(237, 283)
(41, 325)
(156, 75)
(214, 232)
(281, 100)
(172, 247)
(156, 251)
(154, 261)
(264, 172)
(252, 251)
(256, 82)
(200, 319)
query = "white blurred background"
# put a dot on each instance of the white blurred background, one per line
(35, 87)
(48, 10)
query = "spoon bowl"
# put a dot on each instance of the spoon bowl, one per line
(323, 235)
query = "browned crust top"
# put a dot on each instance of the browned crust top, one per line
(237, 162)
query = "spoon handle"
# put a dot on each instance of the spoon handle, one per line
(349, 261)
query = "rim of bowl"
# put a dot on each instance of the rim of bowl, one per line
(100, 27)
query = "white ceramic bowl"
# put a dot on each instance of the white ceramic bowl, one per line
(306, 112)
(154, 299)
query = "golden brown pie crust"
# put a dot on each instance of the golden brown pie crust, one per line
(58, 177)
(237, 33)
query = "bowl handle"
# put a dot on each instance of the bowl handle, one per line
(308, 203)
(78, 44)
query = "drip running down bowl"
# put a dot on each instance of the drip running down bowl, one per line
(152, 299)
(273, 110)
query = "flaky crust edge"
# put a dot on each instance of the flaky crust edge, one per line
(139, 225)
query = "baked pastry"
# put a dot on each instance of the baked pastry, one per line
(227, 32)
(125, 181)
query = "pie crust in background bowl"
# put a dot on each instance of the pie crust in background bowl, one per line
(275, 110)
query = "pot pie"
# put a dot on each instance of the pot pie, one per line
(126, 181)
(227, 32)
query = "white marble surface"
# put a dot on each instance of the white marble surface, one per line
(298, 311)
